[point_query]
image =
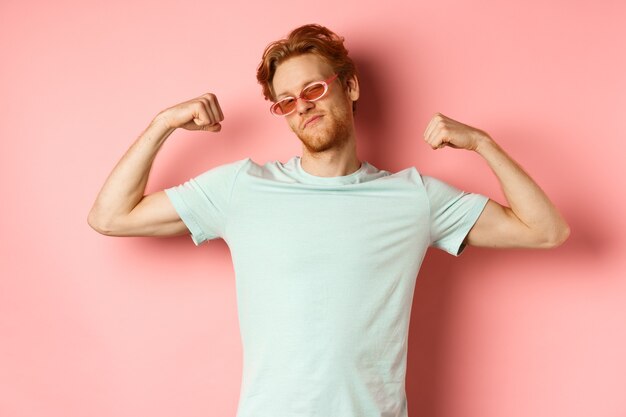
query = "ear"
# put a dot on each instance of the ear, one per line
(352, 87)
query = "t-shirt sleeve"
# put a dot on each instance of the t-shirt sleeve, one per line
(452, 214)
(203, 202)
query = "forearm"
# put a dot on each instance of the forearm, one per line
(126, 184)
(526, 199)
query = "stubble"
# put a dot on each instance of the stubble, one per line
(334, 134)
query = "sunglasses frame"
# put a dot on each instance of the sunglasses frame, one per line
(326, 83)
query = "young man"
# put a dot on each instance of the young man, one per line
(326, 248)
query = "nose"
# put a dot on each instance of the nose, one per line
(302, 106)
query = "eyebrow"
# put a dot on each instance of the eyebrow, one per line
(279, 96)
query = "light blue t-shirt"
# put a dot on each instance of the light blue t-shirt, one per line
(325, 272)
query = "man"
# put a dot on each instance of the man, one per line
(326, 248)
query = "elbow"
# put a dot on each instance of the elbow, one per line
(98, 224)
(94, 223)
(557, 236)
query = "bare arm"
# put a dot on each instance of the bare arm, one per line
(531, 221)
(122, 208)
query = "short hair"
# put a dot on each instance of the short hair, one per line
(307, 39)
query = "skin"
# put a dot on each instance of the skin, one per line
(328, 144)
(530, 220)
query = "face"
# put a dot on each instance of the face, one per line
(323, 124)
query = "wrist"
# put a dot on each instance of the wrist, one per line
(157, 131)
(162, 122)
(483, 142)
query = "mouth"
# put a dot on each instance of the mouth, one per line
(312, 120)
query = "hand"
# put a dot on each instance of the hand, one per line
(443, 131)
(200, 113)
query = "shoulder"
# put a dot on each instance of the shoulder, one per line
(435, 190)
(430, 184)
(225, 173)
(229, 167)
(414, 177)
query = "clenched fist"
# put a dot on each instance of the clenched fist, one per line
(200, 113)
(443, 131)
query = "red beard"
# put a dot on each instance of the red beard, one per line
(330, 131)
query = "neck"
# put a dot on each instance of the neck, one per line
(332, 162)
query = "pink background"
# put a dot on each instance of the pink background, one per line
(98, 326)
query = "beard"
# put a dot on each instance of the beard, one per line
(333, 132)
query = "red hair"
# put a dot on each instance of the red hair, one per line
(307, 39)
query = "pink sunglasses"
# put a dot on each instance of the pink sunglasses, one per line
(311, 92)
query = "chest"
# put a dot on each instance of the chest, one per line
(304, 226)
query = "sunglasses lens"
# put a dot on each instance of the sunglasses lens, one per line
(313, 92)
(284, 106)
